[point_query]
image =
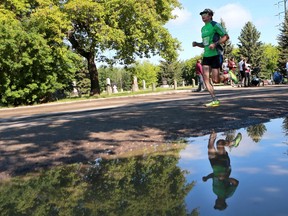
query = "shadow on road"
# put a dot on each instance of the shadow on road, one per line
(42, 141)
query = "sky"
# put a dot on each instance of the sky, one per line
(265, 15)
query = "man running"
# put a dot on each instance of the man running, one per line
(213, 35)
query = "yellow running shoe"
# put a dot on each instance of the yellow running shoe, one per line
(213, 103)
(236, 141)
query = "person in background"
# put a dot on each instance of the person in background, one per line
(199, 73)
(225, 68)
(232, 68)
(277, 77)
(247, 69)
(225, 71)
(241, 71)
(213, 35)
(223, 185)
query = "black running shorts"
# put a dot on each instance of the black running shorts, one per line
(213, 61)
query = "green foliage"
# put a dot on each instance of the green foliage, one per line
(250, 47)
(126, 29)
(256, 132)
(269, 62)
(285, 126)
(146, 71)
(228, 47)
(56, 192)
(82, 78)
(139, 186)
(189, 70)
(34, 63)
(120, 77)
(152, 185)
(170, 71)
(283, 44)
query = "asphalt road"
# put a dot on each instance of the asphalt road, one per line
(53, 134)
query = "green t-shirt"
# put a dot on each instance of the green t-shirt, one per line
(211, 32)
(224, 188)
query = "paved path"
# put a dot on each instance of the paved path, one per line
(47, 135)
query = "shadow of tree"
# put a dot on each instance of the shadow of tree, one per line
(43, 141)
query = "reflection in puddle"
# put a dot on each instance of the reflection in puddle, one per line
(152, 185)
(259, 163)
(170, 184)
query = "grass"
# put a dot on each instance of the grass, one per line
(120, 94)
(124, 93)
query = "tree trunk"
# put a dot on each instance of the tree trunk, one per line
(90, 56)
(93, 72)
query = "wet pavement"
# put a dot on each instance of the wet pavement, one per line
(166, 182)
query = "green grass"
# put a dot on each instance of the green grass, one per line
(124, 93)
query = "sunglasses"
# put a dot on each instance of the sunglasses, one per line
(204, 14)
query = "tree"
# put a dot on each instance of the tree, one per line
(148, 185)
(250, 46)
(35, 62)
(119, 76)
(283, 44)
(189, 70)
(285, 126)
(126, 29)
(146, 71)
(227, 47)
(256, 132)
(170, 71)
(82, 79)
(269, 60)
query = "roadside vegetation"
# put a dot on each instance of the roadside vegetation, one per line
(53, 50)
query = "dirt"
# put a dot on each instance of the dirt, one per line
(37, 137)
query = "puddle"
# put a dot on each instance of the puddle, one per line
(259, 163)
(162, 184)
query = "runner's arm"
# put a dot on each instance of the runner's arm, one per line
(194, 43)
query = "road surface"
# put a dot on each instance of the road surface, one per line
(41, 136)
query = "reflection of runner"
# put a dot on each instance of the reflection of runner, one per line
(223, 185)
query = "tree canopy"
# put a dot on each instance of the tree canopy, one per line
(43, 43)
(250, 46)
(126, 29)
(283, 44)
(34, 62)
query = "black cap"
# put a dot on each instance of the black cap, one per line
(207, 11)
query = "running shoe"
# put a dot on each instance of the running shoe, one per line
(213, 103)
(237, 140)
(233, 77)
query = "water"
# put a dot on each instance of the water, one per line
(259, 163)
(161, 183)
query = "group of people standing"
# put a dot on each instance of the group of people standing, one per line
(244, 73)
(228, 67)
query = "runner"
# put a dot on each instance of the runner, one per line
(213, 35)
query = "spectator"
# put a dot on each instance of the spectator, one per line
(241, 71)
(247, 69)
(277, 77)
(225, 68)
(232, 68)
(199, 73)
